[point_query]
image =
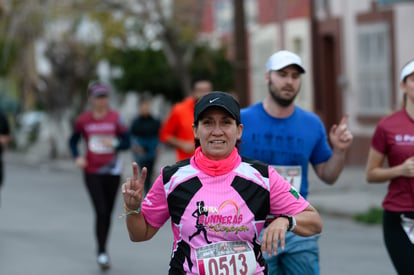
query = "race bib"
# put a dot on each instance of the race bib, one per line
(408, 226)
(293, 174)
(97, 146)
(226, 258)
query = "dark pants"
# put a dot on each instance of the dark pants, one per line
(102, 191)
(1, 172)
(1, 176)
(399, 246)
(150, 166)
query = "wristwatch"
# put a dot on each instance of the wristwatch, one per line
(292, 221)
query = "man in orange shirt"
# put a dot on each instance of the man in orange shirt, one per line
(177, 129)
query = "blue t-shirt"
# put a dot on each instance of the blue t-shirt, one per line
(293, 141)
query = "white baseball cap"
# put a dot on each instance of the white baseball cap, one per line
(282, 59)
(407, 70)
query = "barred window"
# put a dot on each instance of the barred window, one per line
(374, 68)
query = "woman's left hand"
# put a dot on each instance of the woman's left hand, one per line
(133, 189)
(274, 232)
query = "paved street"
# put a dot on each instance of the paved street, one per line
(46, 227)
(348, 248)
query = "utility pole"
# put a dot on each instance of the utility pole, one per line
(241, 84)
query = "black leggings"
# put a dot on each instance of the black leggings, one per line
(102, 191)
(399, 246)
(1, 172)
(150, 167)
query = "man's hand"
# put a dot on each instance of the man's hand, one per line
(340, 136)
(81, 162)
(138, 149)
(187, 147)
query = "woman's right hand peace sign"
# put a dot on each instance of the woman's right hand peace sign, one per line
(133, 189)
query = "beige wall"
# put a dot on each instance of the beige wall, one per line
(348, 11)
(265, 41)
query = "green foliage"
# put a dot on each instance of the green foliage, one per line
(148, 70)
(372, 216)
(214, 64)
(145, 70)
(8, 56)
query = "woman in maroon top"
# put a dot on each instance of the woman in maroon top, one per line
(104, 134)
(393, 141)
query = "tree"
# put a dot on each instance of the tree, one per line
(21, 23)
(240, 48)
(71, 61)
(118, 25)
(147, 70)
(173, 28)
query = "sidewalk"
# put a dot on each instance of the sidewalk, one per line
(350, 195)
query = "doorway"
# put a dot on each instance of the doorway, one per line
(327, 65)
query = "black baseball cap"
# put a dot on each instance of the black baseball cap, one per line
(217, 99)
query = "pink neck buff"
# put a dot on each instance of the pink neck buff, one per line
(216, 167)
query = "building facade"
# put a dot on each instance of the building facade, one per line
(360, 48)
(353, 51)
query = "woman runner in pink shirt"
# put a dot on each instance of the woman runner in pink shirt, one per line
(217, 200)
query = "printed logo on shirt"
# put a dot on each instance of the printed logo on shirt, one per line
(99, 127)
(294, 192)
(404, 139)
(212, 219)
(270, 147)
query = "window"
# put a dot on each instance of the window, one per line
(374, 68)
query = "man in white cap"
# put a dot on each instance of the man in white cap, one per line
(280, 133)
